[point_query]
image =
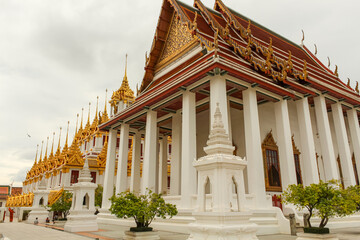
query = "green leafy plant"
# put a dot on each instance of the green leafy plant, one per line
(143, 208)
(325, 200)
(98, 195)
(63, 204)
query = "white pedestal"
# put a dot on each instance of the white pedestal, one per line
(141, 235)
(225, 226)
(81, 221)
(39, 213)
(312, 236)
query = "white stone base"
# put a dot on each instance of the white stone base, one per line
(39, 213)
(153, 235)
(226, 226)
(312, 236)
(81, 222)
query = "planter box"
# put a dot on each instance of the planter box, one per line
(314, 236)
(149, 235)
(316, 230)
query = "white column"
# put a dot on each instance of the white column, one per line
(218, 95)
(163, 159)
(149, 163)
(343, 145)
(255, 167)
(286, 153)
(355, 135)
(121, 175)
(135, 164)
(327, 148)
(175, 167)
(109, 170)
(188, 150)
(308, 155)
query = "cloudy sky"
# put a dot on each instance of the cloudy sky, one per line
(56, 56)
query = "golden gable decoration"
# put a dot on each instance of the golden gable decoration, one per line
(177, 40)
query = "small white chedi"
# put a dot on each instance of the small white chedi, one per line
(222, 173)
(38, 209)
(81, 217)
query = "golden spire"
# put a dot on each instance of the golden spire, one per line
(47, 143)
(105, 117)
(77, 120)
(42, 144)
(97, 105)
(67, 136)
(82, 116)
(37, 149)
(125, 67)
(58, 149)
(88, 121)
(52, 146)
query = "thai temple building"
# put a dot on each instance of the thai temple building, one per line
(287, 114)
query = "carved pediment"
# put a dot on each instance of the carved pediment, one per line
(177, 40)
(269, 141)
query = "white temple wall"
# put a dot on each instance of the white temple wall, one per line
(238, 131)
(267, 120)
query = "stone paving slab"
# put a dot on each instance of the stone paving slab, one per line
(20, 231)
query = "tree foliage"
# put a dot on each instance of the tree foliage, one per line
(63, 204)
(143, 208)
(325, 200)
(98, 195)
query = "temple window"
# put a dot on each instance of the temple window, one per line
(340, 170)
(93, 175)
(74, 176)
(297, 162)
(271, 164)
(355, 170)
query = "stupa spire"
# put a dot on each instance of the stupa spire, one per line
(47, 143)
(82, 116)
(77, 120)
(67, 136)
(37, 150)
(52, 146)
(42, 144)
(105, 117)
(125, 77)
(58, 148)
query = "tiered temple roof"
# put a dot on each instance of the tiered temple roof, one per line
(233, 44)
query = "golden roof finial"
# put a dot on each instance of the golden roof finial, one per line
(336, 71)
(315, 49)
(52, 146)
(77, 119)
(105, 117)
(328, 62)
(42, 144)
(357, 87)
(67, 136)
(97, 104)
(58, 149)
(88, 121)
(303, 37)
(125, 66)
(82, 116)
(348, 83)
(47, 143)
(37, 149)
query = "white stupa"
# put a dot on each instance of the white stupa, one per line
(82, 217)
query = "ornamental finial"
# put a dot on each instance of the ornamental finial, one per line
(37, 149)
(348, 83)
(328, 62)
(42, 144)
(303, 37)
(336, 71)
(52, 146)
(315, 49)
(357, 87)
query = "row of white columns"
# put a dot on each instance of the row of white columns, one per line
(183, 174)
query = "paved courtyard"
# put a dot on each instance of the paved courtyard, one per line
(24, 231)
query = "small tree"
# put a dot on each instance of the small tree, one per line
(98, 195)
(325, 200)
(143, 208)
(63, 204)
